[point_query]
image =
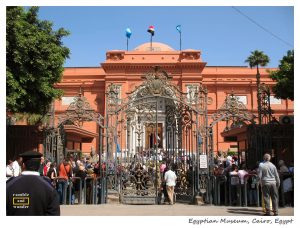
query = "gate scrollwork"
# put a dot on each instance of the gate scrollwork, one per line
(159, 124)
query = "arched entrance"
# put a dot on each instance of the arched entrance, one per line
(157, 123)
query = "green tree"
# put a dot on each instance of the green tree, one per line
(34, 56)
(284, 77)
(256, 59)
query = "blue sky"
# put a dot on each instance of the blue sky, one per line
(224, 36)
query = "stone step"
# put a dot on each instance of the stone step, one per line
(114, 193)
(113, 199)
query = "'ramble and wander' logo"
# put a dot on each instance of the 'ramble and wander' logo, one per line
(21, 200)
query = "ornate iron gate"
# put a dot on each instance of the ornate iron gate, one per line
(54, 141)
(78, 112)
(234, 113)
(157, 122)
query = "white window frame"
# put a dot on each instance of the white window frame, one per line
(242, 98)
(119, 93)
(67, 100)
(195, 87)
(274, 100)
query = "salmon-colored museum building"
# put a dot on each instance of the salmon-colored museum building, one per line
(125, 69)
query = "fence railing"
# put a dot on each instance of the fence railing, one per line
(231, 190)
(221, 190)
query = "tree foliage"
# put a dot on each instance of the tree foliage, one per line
(257, 58)
(284, 77)
(35, 56)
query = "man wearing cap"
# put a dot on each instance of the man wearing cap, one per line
(29, 193)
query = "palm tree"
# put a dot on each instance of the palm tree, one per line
(256, 59)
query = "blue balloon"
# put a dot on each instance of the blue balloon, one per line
(128, 32)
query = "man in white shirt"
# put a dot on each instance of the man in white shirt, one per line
(270, 183)
(170, 179)
(17, 166)
(9, 170)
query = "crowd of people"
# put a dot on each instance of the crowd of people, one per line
(238, 174)
(58, 175)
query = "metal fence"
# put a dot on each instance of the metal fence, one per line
(80, 191)
(223, 190)
(232, 191)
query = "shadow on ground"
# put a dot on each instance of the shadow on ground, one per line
(245, 211)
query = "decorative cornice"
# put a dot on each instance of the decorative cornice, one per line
(189, 55)
(115, 55)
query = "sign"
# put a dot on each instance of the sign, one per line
(203, 161)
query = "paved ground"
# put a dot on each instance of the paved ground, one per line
(165, 210)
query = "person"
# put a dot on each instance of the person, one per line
(228, 161)
(41, 168)
(282, 167)
(90, 174)
(64, 171)
(159, 185)
(52, 174)
(287, 183)
(234, 184)
(242, 173)
(29, 193)
(46, 168)
(220, 158)
(9, 170)
(170, 179)
(81, 172)
(162, 170)
(253, 186)
(164, 187)
(17, 166)
(270, 182)
(291, 167)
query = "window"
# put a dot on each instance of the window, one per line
(191, 90)
(118, 90)
(242, 99)
(274, 100)
(116, 96)
(67, 100)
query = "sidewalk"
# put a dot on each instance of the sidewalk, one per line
(165, 210)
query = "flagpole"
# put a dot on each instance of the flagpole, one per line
(128, 34)
(180, 41)
(150, 42)
(178, 27)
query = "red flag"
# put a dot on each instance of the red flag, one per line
(151, 30)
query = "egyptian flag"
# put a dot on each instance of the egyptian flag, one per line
(151, 30)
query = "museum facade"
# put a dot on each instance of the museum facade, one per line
(185, 70)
